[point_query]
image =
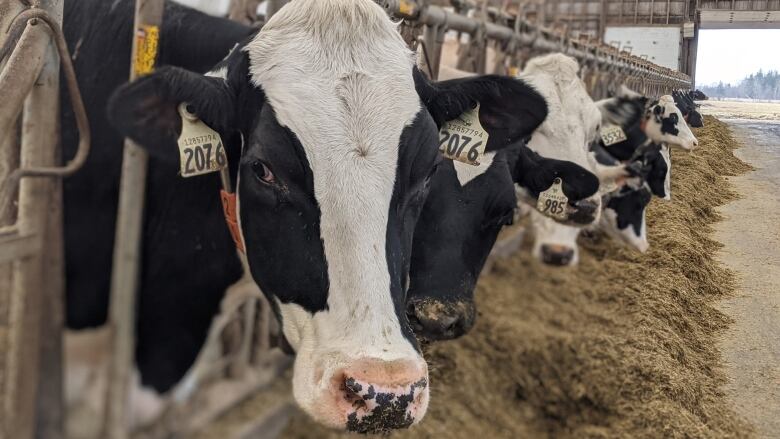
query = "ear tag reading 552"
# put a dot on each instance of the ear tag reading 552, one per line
(464, 139)
(200, 148)
(553, 201)
(612, 134)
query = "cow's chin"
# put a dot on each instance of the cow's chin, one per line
(347, 379)
(367, 395)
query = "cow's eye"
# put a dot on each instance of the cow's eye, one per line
(262, 172)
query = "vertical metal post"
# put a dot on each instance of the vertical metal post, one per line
(50, 395)
(23, 311)
(129, 230)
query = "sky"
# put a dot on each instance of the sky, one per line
(731, 55)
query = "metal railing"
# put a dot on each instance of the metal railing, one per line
(514, 34)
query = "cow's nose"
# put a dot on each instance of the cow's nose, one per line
(433, 320)
(586, 211)
(695, 143)
(380, 396)
(557, 255)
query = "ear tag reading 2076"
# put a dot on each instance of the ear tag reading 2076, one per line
(464, 139)
(200, 148)
(552, 202)
(612, 134)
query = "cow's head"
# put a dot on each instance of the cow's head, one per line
(698, 95)
(626, 112)
(664, 123)
(687, 107)
(624, 216)
(571, 127)
(461, 219)
(332, 149)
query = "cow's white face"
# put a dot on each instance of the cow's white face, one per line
(349, 105)
(554, 243)
(665, 124)
(572, 124)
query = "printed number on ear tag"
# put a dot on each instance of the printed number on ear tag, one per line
(200, 148)
(464, 139)
(552, 202)
(612, 134)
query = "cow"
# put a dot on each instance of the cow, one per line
(698, 95)
(331, 141)
(567, 133)
(623, 217)
(664, 123)
(170, 331)
(688, 108)
(460, 221)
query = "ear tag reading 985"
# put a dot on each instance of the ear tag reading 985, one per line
(200, 148)
(612, 134)
(464, 139)
(552, 202)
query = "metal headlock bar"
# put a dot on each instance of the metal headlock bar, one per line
(528, 35)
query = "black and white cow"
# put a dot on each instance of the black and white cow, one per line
(171, 327)
(462, 217)
(698, 95)
(459, 225)
(623, 217)
(567, 133)
(688, 108)
(332, 140)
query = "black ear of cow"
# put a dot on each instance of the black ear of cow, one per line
(146, 110)
(536, 174)
(510, 109)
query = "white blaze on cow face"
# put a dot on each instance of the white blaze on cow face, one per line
(571, 125)
(467, 172)
(339, 77)
(665, 124)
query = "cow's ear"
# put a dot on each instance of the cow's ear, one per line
(509, 109)
(536, 174)
(147, 109)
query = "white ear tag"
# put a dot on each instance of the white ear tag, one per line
(612, 134)
(464, 139)
(553, 201)
(200, 148)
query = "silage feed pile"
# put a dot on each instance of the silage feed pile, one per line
(623, 346)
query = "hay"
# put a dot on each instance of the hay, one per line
(621, 346)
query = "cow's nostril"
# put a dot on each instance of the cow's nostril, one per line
(433, 320)
(557, 255)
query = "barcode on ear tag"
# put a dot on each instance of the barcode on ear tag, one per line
(200, 148)
(553, 201)
(464, 139)
(612, 134)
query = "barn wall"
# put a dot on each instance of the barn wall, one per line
(660, 44)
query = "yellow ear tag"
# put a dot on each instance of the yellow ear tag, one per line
(552, 202)
(612, 134)
(464, 139)
(200, 148)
